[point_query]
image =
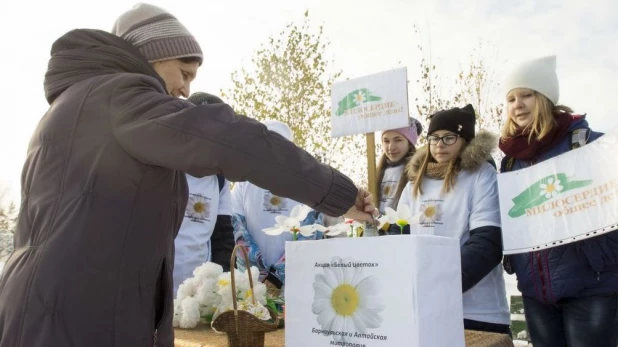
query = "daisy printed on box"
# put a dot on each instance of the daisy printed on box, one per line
(551, 189)
(198, 208)
(347, 300)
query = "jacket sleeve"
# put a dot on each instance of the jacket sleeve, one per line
(479, 255)
(161, 130)
(483, 250)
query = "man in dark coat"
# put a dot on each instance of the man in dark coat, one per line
(104, 190)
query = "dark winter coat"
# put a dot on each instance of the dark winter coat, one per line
(104, 191)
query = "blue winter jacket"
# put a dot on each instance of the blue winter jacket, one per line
(583, 268)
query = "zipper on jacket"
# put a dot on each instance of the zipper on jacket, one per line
(154, 338)
(598, 276)
(539, 261)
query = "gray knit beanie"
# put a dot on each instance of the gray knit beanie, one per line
(156, 34)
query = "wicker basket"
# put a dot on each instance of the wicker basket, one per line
(243, 329)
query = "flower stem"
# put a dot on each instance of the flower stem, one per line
(400, 229)
(294, 235)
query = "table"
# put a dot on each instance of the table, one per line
(203, 336)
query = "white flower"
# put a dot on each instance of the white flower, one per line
(291, 224)
(207, 270)
(259, 290)
(190, 313)
(261, 312)
(177, 313)
(198, 207)
(207, 292)
(188, 288)
(337, 229)
(551, 189)
(359, 98)
(224, 287)
(349, 226)
(345, 300)
(402, 217)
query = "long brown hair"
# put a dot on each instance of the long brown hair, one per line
(403, 180)
(543, 119)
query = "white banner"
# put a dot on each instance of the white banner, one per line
(564, 199)
(370, 103)
(398, 290)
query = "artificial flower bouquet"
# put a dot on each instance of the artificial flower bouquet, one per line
(208, 294)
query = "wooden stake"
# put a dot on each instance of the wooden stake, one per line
(371, 166)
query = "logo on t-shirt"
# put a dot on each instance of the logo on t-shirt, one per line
(389, 188)
(431, 213)
(198, 208)
(274, 204)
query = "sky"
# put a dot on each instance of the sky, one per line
(366, 37)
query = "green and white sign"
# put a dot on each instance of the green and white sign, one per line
(370, 103)
(564, 199)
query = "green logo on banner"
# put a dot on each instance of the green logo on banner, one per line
(543, 190)
(355, 99)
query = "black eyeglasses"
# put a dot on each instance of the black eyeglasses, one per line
(447, 140)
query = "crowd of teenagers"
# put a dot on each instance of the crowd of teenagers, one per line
(126, 190)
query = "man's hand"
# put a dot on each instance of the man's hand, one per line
(363, 208)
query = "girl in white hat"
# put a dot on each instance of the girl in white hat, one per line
(569, 291)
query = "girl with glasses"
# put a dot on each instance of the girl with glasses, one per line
(453, 189)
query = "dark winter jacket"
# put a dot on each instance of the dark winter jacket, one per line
(583, 268)
(104, 192)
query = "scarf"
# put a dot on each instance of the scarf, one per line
(437, 170)
(403, 160)
(519, 147)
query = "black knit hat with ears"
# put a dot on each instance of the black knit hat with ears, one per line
(461, 121)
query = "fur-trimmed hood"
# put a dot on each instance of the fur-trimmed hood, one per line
(476, 153)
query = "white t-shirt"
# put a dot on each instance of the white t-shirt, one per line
(259, 207)
(473, 203)
(388, 186)
(193, 240)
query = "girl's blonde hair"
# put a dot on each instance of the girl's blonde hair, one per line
(449, 178)
(543, 119)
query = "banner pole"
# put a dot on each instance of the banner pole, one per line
(371, 166)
